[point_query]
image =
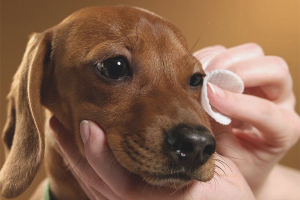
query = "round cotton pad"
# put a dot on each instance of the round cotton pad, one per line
(226, 80)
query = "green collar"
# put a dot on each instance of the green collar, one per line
(47, 195)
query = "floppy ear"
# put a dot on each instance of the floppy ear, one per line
(23, 133)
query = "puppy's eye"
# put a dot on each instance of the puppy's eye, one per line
(196, 80)
(113, 68)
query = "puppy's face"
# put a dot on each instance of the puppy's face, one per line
(131, 72)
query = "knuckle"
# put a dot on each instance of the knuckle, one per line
(255, 47)
(281, 68)
(294, 133)
(234, 100)
(280, 63)
(218, 47)
(211, 50)
(214, 47)
(126, 193)
(93, 180)
(268, 108)
(92, 157)
(297, 127)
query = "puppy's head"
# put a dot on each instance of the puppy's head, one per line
(131, 72)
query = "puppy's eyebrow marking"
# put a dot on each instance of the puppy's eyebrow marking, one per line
(128, 39)
(121, 32)
(136, 32)
(197, 68)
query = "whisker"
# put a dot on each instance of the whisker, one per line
(232, 135)
(217, 174)
(232, 157)
(221, 132)
(216, 180)
(199, 38)
(223, 163)
(153, 186)
(217, 154)
(147, 183)
(187, 190)
(241, 157)
(221, 169)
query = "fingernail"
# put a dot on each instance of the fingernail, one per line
(217, 91)
(212, 88)
(84, 130)
(97, 132)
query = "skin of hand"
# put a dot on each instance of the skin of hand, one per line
(102, 177)
(265, 125)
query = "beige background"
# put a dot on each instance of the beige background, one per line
(274, 24)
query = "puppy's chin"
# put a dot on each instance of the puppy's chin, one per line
(178, 180)
(175, 181)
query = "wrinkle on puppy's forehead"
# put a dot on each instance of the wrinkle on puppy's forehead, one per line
(152, 39)
(155, 66)
(159, 57)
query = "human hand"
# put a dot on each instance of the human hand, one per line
(102, 177)
(265, 124)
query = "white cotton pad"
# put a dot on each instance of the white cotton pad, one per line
(226, 80)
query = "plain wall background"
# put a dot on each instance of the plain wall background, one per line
(274, 24)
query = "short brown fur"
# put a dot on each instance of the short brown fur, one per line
(57, 76)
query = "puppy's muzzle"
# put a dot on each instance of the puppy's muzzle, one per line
(189, 146)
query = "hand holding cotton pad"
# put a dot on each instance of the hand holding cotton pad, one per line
(226, 80)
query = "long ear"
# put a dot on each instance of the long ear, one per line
(23, 133)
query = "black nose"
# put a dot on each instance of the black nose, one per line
(190, 146)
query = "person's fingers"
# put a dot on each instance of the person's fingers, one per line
(234, 55)
(78, 164)
(227, 143)
(271, 73)
(228, 183)
(131, 188)
(65, 140)
(92, 193)
(121, 181)
(118, 182)
(262, 114)
(97, 149)
(206, 54)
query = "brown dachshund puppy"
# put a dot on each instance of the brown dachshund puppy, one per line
(128, 70)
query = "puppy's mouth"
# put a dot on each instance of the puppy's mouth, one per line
(176, 176)
(174, 180)
(172, 158)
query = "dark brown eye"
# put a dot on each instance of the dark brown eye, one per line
(196, 80)
(113, 68)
